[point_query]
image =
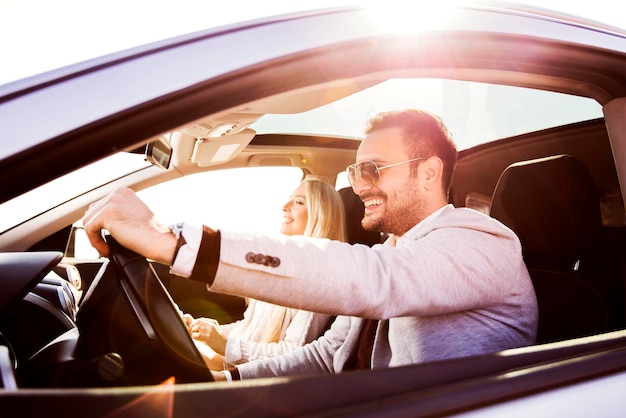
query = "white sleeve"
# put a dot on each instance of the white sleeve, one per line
(316, 357)
(186, 257)
(303, 328)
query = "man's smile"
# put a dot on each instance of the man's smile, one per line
(372, 204)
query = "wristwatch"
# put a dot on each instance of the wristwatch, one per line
(177, 230)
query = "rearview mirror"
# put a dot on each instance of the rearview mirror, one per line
(159, 153)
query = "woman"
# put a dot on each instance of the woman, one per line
(315, 209)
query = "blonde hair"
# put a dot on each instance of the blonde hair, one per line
(326, 214)
(326, 219)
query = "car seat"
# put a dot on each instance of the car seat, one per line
(354, 214)
(553, 206)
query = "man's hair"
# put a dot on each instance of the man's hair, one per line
(326, 215)
(425, 135)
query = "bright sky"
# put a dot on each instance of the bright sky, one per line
(39, 35)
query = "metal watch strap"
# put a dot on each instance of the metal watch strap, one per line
(177, 230)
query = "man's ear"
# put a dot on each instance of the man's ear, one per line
(431, 172)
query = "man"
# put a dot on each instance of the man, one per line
(447, 283)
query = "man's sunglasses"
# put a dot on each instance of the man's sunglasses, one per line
(369, 171)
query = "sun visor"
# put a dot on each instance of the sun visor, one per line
(219, 149)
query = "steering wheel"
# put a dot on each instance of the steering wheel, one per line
(129, 318)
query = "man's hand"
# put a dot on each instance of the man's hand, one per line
(132, 224)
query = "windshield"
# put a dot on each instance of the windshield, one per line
(237, 198)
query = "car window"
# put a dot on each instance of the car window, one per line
(474, 112)
(248, 199)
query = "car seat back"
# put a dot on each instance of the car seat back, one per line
(354, 214)
(552, 205)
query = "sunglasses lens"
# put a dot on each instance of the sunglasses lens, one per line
(352, 174)
(369, 172)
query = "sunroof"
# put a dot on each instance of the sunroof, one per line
(475, 113)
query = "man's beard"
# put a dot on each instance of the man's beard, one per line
(373, 225)
(397, 219)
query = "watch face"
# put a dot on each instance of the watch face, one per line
(177, 229)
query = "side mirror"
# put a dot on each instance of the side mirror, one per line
(159, 153)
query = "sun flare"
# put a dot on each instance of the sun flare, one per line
(409, 17)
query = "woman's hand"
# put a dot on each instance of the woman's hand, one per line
(208, 331)
(188, 319)
(218, 376)
(213, 361)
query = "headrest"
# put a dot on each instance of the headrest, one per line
(354, 215)
(552, 205)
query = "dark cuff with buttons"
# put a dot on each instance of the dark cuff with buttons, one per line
(208, 257)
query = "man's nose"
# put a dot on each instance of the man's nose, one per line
(360, 185)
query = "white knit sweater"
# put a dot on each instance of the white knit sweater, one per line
(299, 327)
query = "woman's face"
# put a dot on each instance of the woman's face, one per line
(295, 215)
